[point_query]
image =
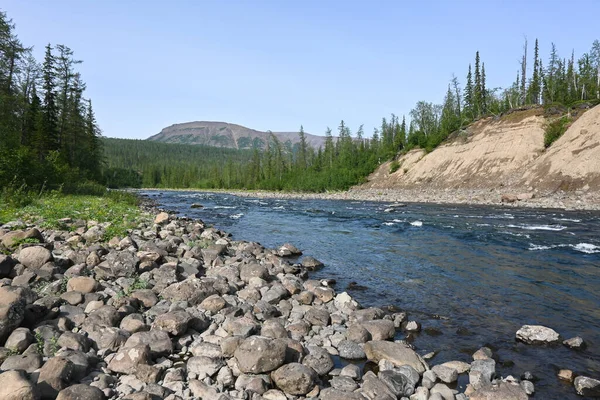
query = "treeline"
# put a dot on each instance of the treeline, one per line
(343, 162)
(48, 132)
(563, 81)
(350, 157)
(144, 163)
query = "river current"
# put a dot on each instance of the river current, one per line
(472, 275)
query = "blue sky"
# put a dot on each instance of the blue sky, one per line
(279, 64)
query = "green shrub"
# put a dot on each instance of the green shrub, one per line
(16, 196)
(555, 129)
(120, 196)
(394, 166)
(85, 187)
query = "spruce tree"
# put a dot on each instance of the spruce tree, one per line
(477, 90)
(468, 96)
(49, 140)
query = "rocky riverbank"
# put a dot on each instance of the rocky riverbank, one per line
(178, 310)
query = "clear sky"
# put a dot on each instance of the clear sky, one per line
(277, 64)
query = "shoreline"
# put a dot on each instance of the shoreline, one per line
(210, 316)
(568, 201)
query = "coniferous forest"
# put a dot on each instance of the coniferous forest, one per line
(49, 137)
(349, 157)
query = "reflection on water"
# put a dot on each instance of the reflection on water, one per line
(488, 269)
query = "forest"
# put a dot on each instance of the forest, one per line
(49, 137)
(349, 157)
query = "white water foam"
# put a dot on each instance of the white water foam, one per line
(525, 235)
(388, 223)
(534, 247)
(236, 216)
(567, 219)
(217, 207)
(555, 228)
(587, 248)
(416, 223)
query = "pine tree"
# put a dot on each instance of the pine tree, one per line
(49, 140)
(302, 164)
(524, 74)
(468, 108)
(535, 84)
(477, 90)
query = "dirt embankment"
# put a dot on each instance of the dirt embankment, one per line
(504, 154)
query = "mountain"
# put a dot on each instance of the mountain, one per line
(506, 152)
(223, 134)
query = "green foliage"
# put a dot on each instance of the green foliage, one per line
(20, 241)
(138, 284)
(48, 140)
(54, 346)
(15, 196)
(119, 210)
(394, 166)
(555, 129)
(63, 285)
(40, 342)
(12, 352)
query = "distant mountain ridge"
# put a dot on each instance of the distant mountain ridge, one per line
(223, 134)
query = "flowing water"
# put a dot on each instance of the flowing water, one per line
(472, 275)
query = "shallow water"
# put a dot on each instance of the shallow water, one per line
(474, 273)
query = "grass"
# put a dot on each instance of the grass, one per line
(394, 166)
(18, 242)
(118, 209)
(555, 129)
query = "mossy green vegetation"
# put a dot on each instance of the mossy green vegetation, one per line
(119, 209)
(555, 129)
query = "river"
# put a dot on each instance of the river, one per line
(472, 275)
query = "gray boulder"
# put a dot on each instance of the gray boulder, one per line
(192, 290)
(295, 378)
(159, 342)
(6, 265)
(125, 361)
(55, 375)
(351, 351)
(175, 322)
(319, 360)
(34, 257)
(258, 354)
(503, 391)
(116, 265)
(15, 386)
(12, 310)
(204, 366)
(399, 354)
(81, 392)
(537, 334)
(587, 386)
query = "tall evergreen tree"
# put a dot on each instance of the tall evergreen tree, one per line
(524, 74)
(468, 96)
(477, 90)
(49, 139)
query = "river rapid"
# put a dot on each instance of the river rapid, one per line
(471, 275)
